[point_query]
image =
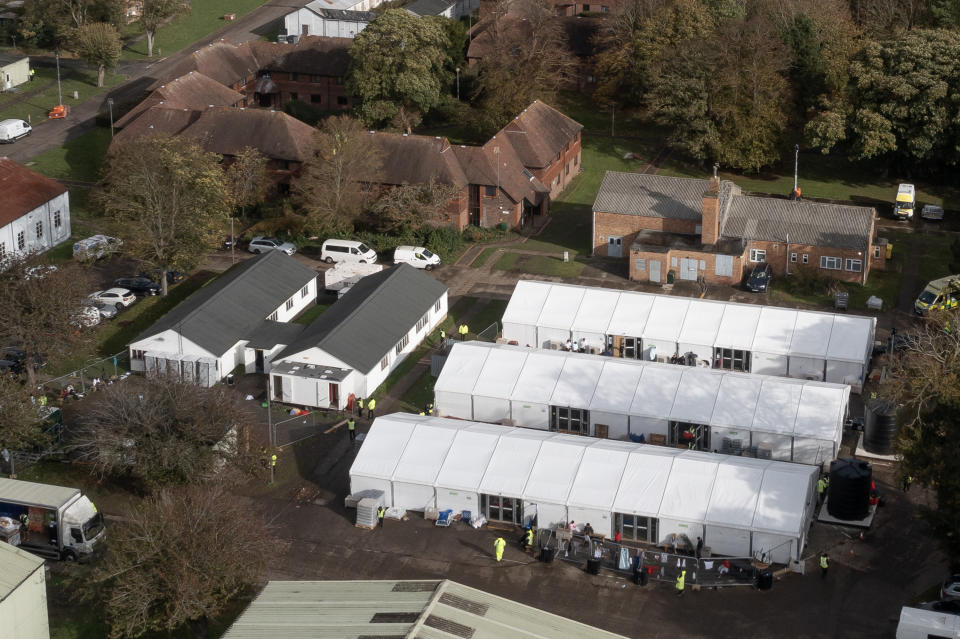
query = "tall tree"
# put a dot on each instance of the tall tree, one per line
(20, 421)
(247, 179)
(179, 558)
(399, 60)
(170, 199)
(331, 189)
(724, 98)
(902, 103)
(37, 313)
(526, 57)
(154, 13)
(98, 43)
(412, 206)
(924, 381)
(164, 431)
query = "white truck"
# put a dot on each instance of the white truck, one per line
(341, 277)
(906, 198)
(55, 522)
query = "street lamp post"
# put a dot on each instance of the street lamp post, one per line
(110, 106)
(59, 90)
(458, 84)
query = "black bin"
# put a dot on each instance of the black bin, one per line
(640, 578)
(593, 566)
(764, 580)
(547, 554)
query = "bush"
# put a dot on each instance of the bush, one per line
(306, 112)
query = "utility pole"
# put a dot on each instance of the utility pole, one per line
(233, 243)
(110, 106)
(796, 166)
(59, 90)
(458, 84)
(613, 118)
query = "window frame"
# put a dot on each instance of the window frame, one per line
(827, 260)
(21, 241)
(755, 253)
(848, 262)
(793, 258)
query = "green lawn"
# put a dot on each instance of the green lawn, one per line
(205, 17)
(489, 314)
(33, 100)
(419, 395)
(79, 159)
(311, 314)
(539, 265)
(933, 249)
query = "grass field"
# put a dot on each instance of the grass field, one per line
(205, 17)
(33, 100)
(539, 265)
(311, 314)
(79, 159)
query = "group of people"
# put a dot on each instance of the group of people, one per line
(575, 346)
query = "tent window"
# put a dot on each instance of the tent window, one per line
(634, 528)
(730, 359)
(574, 421)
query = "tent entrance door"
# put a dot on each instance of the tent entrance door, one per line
(622, 346)
(506, 510)
(635, 528)
(692, 436)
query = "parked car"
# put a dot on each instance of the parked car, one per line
(172, 276)
(9, 367)
(951, 587)
(760, 278)
(261, 244)
(15, 354)
(949, 606)
(107, 311)
(13, 130)
(334, 250)
(139, 285)
(416, 256)
(115, 296)
(229, 242)
(95, 247)
(86, 317)
(931, 212)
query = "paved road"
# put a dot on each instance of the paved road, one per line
(54, 133)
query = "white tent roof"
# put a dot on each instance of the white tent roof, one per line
(649, 389)
(774, 330)
(538, 466)
(595, 311)
(666, 318)
(702, 323)
(561, 307)
(526, 303)
(851, 338)
(765, 329)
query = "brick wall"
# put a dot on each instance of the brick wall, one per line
(558, 174)
(666, 261)
(777, 256)
(322, 92)
(627, 227)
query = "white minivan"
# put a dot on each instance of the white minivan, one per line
(13, 130)
(347, 251)
(415, 256)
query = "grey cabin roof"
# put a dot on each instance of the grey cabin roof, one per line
(651, 196)
(271, 333)
(428, 7)
(375, 314)
(231, 307)
(343, 14)
(813, 223)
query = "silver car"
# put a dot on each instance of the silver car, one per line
(263, 244)
(107, 311)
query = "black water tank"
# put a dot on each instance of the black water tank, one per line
(880, 427)
(593, 566)
(849, 495)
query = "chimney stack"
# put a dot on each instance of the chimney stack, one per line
(710, 211)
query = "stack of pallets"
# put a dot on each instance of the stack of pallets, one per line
(367, 513)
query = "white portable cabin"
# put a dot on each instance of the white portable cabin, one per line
(774, 417)
(741, 507)
(759, 339)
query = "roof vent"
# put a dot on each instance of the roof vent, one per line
(328, 372)
(311, 366)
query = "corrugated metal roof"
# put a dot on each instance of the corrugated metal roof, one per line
(371, 318)
(34, 493)
(651, 196)
(352, 609)
(15, 566)
(428, 7)
(232, 307)
(813, 223)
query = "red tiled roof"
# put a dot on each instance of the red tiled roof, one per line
(277, 135)
(416, 159)
(23, 190)
(157, 120)
(539, 133)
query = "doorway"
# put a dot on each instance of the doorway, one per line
(614, 246)
(277, 388)
(691, 436)
(653, 267)
(688, 269)
(506, 510)
(258, 361)
(474, 205)
(334, 395)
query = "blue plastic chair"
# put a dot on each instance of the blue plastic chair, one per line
(466, 517)
(443, 519)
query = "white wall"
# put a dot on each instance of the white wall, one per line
(727, 541)
(648, 426)
(530, 415)
(492, 410)
(806, 368)
(458, 500)
(619, 425)
(844, 372)
(599, 520)
(14, 74)
(459, 405)
(27, 224)
(670, 526)
(359, 484)
(550, 515)
(416, 497)
(299, 303)
(168, 341)
(547, 335)
(704, 353)
(24, 611)
(523, 334)
(318, 26)
(768, 364)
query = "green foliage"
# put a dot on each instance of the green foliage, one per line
(98, 44)
(398, 63)
(305, 112)
(154, 13)
(945, 13)
(955, 256)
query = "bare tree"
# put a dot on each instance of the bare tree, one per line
(162, 430)
(331, 189)
(20, 419)
(247, 180)
(179, 558)
(169, 197)
(39, 308)
(412, 206)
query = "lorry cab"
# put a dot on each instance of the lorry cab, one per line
(13, 130)
(83, 531)
(906, 197)
(942, 294)
(416, 256)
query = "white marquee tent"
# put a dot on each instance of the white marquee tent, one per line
(741, 507)
(785, 419)
(759, 339)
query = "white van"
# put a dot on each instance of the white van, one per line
(918, 623)
(13, 130)
(415, 256)
(347, 251)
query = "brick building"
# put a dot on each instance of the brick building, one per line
(710, 229)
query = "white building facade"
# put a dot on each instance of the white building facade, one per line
(340, 19)
(34, 211)
(23, 594)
